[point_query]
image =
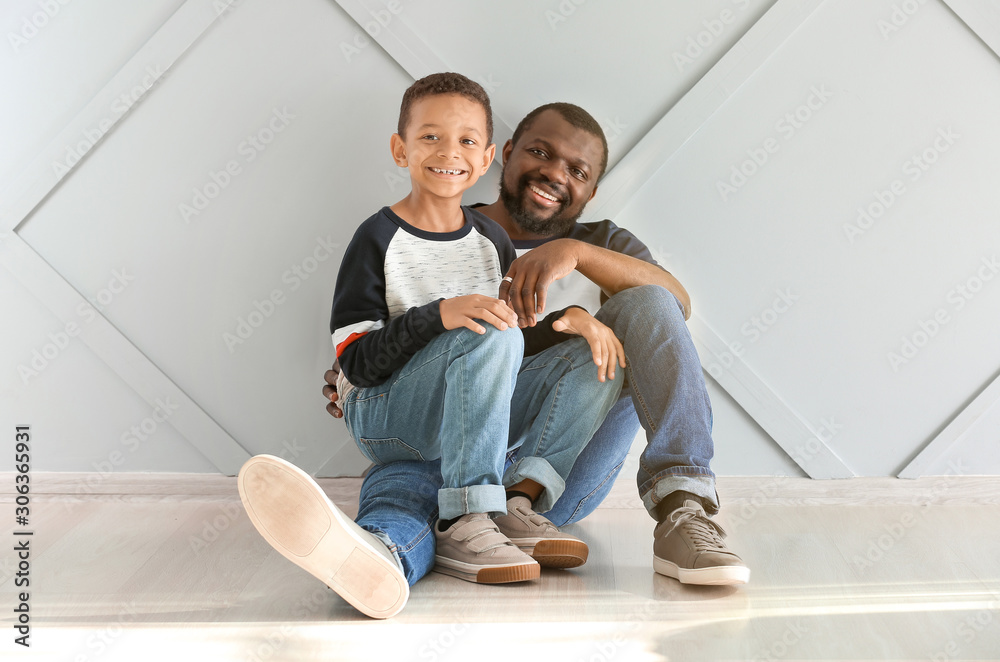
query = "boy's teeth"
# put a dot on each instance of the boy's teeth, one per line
(447, 172)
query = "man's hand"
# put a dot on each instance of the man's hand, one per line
(465, 310)
(330, 391)
(605, 347)
(533, 272)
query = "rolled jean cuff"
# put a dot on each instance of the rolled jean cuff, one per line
(457, 501)
(699, 485)
(540, 471)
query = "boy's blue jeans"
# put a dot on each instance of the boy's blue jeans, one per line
(465, 398)
(398, 501)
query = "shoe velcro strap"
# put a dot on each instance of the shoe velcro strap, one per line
(480, 535)
(473, 528)
(487, 541)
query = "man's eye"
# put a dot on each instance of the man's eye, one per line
(537, 152)
(579, 173)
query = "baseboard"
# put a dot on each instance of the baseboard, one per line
(761, 490)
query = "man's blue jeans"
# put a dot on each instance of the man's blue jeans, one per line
(467, 397)
(664, 382)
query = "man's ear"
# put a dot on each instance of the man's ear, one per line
(398, 149)
(508, 147)
(592, 194)
(488, 157)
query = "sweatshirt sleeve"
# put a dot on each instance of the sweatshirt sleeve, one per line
(369, 346)
(541, 336)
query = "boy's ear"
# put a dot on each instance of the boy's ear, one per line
(398, 149)
(488, 157)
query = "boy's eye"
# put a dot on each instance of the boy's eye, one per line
(429, 136)
(468, 141)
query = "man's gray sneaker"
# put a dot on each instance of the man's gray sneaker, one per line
(473, 549)
(689, 547)
(540, 538)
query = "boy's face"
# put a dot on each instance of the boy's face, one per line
(445, 147)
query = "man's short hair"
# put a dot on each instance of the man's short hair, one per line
(573, 114)
(445, 83)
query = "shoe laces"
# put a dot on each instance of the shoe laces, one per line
(704, 533)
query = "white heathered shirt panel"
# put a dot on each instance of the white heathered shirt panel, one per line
(418, 271)
(574, 289)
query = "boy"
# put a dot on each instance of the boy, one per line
(430, 359)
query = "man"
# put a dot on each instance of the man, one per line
(551, 167)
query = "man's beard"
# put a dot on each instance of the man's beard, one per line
(556, 225)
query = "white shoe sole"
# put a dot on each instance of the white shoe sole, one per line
(723, 575)
(295, 517)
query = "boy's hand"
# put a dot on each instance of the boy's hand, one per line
(606, 348)
(330, 391)
(465, 310)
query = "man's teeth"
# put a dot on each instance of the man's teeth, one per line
(542, 193)
(447, 172)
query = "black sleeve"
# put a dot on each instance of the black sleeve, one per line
(541, 336)
(370, 347)
(372, 358)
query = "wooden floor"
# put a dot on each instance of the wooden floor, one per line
(156, 576)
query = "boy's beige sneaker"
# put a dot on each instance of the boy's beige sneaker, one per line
(473, 549)
(688, 546)
(539, 538)
(294, 515)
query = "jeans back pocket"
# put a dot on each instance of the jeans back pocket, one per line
(384, 451)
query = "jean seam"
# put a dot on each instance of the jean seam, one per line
(587, 497)
(542, 438)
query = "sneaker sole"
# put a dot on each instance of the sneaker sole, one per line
(714, 576)
(318, 537)
(554, 553)
(493, 574)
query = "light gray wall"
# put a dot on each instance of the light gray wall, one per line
(179, 180)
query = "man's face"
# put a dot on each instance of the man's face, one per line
(550, 174)
(446, 148)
